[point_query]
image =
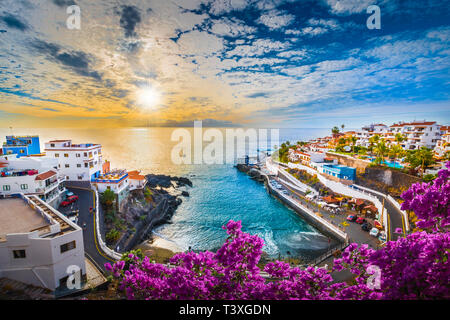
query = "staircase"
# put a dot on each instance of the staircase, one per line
(13, 289)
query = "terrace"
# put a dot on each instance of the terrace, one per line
(114, 176)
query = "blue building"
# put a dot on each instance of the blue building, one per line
(21, 145)
(340, 171)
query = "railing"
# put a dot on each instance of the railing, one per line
(329, 253)
(103, 246)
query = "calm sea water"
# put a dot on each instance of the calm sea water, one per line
(219, 192)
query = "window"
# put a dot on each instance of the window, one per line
(80, 177)
(6, 187)
(78, 165)
(22, 151)
(66, 155)
(23, 186)
(56, 155)
(19, 254)
(78, 155)
(85, 164)
(85, 154)
(67, 165)
(52, 145)
(68, 246)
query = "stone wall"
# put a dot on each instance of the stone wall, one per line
(386, 180)
(360, 165)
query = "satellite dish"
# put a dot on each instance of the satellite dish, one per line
(347, 148)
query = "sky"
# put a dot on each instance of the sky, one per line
(255, 63)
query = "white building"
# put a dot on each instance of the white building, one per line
(369, 131)
(78, 162)
(32, 175)
(38, 243)
(116, 180)
(136, 180)
(416, 134)
(443, 145)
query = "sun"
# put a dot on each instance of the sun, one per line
(148, 98)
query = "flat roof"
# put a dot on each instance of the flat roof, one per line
(16, 216)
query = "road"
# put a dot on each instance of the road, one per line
(85, 202)
(354, 231)
(395, 218)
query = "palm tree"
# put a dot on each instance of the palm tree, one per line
(373, 140)
(353, 140)
(335, 131)
(399, 138)
(420, 158)
(381, 149)
(396, 151)
(342, 126)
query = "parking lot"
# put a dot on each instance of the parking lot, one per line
(337, 216)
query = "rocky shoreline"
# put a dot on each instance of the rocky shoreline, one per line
(146, 209)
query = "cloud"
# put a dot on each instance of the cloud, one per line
(231, 27)
(219, 7)
(14, 22)
(64, 3)
(275, 19)
(347, 7)
(129, 18)
(199, 43)
(77, 61)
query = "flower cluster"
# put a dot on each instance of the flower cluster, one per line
(430, 202)
(414, 267)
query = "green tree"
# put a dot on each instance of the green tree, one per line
(380, 150)
(399, 138)
(113, 235)
(422, 158)
(396, 151)
(353, 140)
(342, 126)
(373, 140)
(108, 198)
(335, 131)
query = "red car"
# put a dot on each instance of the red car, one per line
(360, 220)
(69, 200)
(351, 218)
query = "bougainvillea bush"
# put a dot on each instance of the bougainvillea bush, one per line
(414, 267)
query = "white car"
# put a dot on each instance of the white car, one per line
(374, 232)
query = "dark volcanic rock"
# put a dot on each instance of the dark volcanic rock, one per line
(166, 181)
(185, 193)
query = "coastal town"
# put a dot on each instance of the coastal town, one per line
(53, 212)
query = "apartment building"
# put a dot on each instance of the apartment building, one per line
(21, 145)
(369, 131)
(416, 134)
(78, 162)
(32, 175)
(136, 180)
(443, 145)
(38, 245)
(116, 180)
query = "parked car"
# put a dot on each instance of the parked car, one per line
(374, 232)
(360, 220)
(382, 236)
(69, 200)
(352, 217)
(366, 226)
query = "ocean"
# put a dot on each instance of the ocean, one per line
(219, 193)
